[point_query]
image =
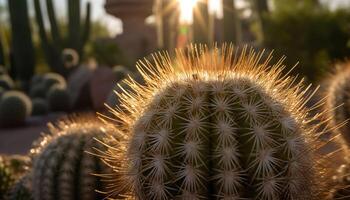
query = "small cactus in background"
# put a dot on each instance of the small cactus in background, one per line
(14, 108)
(21, 190)
(51, 79)
(6, 82)
(40, 107)
(338, 99)
(342, 181)
(61, 167)
(70, 58)
(214, 126)
(6, 179)
(58, 99)
(38, 91)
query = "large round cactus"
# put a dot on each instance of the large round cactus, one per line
(338, 99)
(61, 167)
(14, 108)
(214, 126)
(40, 107)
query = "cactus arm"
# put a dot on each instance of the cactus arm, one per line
(55, 32)
(22, 44)
(86, 29)
(74, 23)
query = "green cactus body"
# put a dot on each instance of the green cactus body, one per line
(6, 82)
(338, 100)
(59, 99)
(214, 126)
(61, 167)
(38, 91)
(6, 179)
(40, 107)
(51, 79)
(14, 108)
(21, 190)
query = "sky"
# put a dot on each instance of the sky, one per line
(115, 26)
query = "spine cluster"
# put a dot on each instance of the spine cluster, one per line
(61, 167)
(213, 126)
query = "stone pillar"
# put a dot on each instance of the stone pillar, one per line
(138, 39)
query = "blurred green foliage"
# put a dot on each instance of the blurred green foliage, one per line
(308, 33)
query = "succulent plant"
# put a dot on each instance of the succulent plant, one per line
(21, 190)
(211, 125)
(61, 167)
(51, 79)
(338, 99)
(58, 99)
(37, 78)
(38, 90)
(40, 107)
(15, 106)
(70, 58)
(2, 91)
(6, 82)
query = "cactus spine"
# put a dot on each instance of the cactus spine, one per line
(338, 100)
(6, 178)
(61, 167)
(210, 125)
(77, 35)
(22, 44)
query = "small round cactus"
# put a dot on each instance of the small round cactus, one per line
(338, 100)
(6, 82)
(6, 179)
(210, 125)
(15, 107)
(51, 79)
(70, 58)
(40, 107)
(58, 99)
(38, 91)
(61, 167)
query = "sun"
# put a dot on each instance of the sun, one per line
(186, 10)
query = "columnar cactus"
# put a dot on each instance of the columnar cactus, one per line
(214, 126)
(338, 99)
(21, 190)
(61, 167)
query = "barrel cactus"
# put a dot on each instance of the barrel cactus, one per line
(51, 79)
(211, 125)
(15, 106)
(70, 58)
(6, 82)
(40, 107)
(61, 167)
(58, 99)
(38, 90)
(338, 99)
